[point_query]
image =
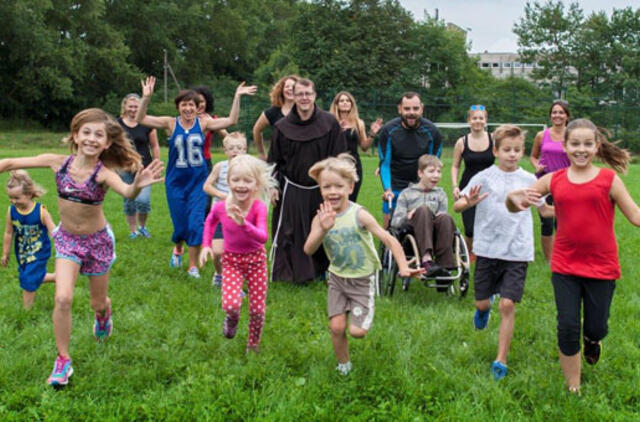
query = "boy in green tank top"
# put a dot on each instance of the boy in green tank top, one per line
(345, 230)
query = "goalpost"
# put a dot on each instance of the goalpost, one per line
(460, 129)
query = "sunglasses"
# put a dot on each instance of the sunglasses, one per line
(475, 107)
(563, 102)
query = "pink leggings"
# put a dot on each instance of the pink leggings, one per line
(237, 267)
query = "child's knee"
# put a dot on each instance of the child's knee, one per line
(64, 301)
(507, 306)
(338, 324)
(357, 332)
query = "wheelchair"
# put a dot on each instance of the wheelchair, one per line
(456, 283)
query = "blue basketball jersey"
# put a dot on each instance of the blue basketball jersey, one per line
(31, 237)
(186, 169)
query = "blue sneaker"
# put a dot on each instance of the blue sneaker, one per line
(176, 259)
(481, 319)
(133, 235)
(61, 373)
(499, 370)
(217, 280)
(103, 326)
(142, 231)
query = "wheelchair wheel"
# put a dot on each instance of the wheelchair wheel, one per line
(388, 274)
(462, 253)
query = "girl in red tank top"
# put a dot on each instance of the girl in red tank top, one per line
(584, 262)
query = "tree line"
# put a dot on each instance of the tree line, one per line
(58, 56)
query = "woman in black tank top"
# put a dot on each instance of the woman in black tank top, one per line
(475, 149)
(281, 103)
(345, 109)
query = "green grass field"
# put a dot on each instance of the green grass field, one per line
(422, 360)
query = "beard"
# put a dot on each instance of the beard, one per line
(405, 120)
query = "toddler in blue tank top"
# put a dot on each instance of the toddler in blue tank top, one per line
(28, 223)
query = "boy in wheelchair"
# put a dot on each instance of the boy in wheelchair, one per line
(422, 211)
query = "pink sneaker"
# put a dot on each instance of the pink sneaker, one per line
(62, 371)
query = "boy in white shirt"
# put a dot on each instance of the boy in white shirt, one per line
(502, 241)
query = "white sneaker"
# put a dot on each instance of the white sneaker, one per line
(344, 368)
(193, 272)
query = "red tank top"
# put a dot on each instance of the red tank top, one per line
(585, 243)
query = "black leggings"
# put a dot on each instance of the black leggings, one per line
(594, 295)
(547, 224)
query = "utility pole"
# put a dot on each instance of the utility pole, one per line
(166, 64)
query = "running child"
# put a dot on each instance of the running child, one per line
(186, 168)
(584, 261)
(423, 207)
(243, 217)
(29, 223)
(216, 186)
(344, 228)
(84, 241)
(502, 241)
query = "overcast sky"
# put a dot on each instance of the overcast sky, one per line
(491, 21)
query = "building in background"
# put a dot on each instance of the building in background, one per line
(503, 65)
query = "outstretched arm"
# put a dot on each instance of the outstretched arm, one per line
(225, 122)
(625, 202)
(521, 199)
(370, 223)
(145, 177)
(53, 161)
(470, 200)
(163, 122)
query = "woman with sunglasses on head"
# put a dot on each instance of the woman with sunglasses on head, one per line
(547, 156)
(475, 149)
(137, 210)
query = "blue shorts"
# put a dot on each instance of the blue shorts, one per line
(32, 274)
(394, 202)
(187, 215)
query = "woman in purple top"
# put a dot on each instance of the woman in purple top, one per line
(547, 156)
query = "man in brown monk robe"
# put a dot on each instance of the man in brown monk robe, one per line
(306, 135)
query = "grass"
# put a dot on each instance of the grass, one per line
(422, 360)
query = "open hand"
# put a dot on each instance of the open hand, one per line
(148, 86)
(375, 126)
(327, 216)
(237, 214)
(205, 254)
(411, 272)
(474, 196)
(249, 90)
(150, 174)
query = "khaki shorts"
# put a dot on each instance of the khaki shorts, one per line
(354, 296)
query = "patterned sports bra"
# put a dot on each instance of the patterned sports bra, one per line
(89, 192)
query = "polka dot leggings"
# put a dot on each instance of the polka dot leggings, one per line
(237, 267)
